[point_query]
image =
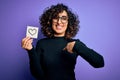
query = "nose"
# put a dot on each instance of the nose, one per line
(59, 20)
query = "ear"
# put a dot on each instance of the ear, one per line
(48, 22)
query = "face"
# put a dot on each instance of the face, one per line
(60, 23)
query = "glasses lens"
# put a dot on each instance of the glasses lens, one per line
(63, 19)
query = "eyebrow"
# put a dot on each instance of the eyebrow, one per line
(62, 16)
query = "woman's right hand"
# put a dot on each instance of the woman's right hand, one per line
(27, 43)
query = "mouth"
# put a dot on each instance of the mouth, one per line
(58, 27)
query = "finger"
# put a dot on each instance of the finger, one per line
(26, 40)
(23, 42)
(69, 48)
(29, 41)
(65, 48)
(27, 46)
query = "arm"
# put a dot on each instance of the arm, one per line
(35, 66)
(92, 57)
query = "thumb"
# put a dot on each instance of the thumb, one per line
(65, 48)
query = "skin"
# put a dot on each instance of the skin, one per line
(27, 43)
(59, 29)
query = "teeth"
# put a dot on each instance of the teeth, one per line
(59, 27)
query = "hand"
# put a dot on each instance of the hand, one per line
(27, 43)
(70, 46)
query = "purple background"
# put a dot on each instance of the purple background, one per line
(100, 30)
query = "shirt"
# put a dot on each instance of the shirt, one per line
(48, 61)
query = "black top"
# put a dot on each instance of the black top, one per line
(50, 62)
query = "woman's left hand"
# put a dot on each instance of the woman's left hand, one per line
(69, 47)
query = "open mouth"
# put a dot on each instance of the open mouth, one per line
(59, 27)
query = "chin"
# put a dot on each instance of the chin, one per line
(59, 32)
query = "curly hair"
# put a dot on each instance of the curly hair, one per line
(53, 11)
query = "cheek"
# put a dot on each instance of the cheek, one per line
(53, 25)
(65, 26)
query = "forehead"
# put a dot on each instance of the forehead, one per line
(64, 13)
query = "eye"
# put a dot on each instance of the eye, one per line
(64, 17)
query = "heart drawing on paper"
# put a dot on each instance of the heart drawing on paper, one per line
(32, 31)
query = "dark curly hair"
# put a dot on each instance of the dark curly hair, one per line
(53, 11)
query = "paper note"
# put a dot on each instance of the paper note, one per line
(32, 31)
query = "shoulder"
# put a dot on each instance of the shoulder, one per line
(43, 40)
(70, 40)
(77, 41)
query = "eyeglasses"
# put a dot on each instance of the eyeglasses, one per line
(63, 19)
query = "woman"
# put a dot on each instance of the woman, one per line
(54, 57)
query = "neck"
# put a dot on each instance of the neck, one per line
(57, 35)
